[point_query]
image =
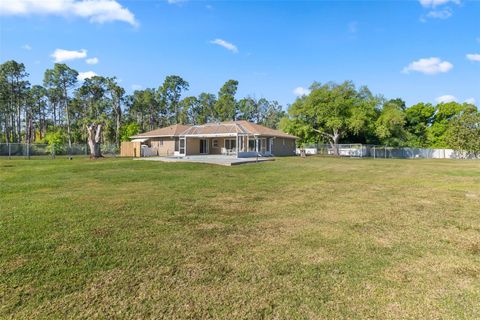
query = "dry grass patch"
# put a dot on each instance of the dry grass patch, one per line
(314, 238)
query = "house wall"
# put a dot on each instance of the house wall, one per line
(280, 146)
(221, 144)
(283, 147)
(193, 145)
(164, 149)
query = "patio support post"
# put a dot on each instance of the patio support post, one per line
(236, 146)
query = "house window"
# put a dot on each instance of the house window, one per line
(182, 146)
(214, 143)
(160, 142)
(251, 145)
(230, 144)
(262, 145)
(283, 141)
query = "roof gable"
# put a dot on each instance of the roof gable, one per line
(258, 129)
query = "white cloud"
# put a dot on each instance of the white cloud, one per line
(429, 66)
(136, 87)
(436, 3)
(439, 9)
(27, 47)
(86, 75)
(473, 57)
(61, 55)
(301, 91)
(446, 98)
(227, 45)
(470, 101)
(92, 60)
(440, 14)
(98, 11)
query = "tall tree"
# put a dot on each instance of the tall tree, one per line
(419, 118)
(389, 126)
(191, 111)
(444, 114)
(225, 108)
(464, 133)
(330, 112)
(97, 107)
(14, 87)
(4, 97)
(247, 108)
(206, 105)
(273, 115)
(62, 79)
(116, 95)
(54, 100)
(36, 110)
(170, 93)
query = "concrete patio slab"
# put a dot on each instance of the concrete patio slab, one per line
(210, 159)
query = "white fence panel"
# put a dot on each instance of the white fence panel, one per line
(373, 151)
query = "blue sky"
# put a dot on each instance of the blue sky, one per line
(417, 50)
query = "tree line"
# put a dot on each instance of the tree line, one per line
(342, 113)
(64, 110)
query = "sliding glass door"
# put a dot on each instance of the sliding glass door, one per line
(182, 146)
(203, 146)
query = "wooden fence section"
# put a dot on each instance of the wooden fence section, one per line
(130, 149)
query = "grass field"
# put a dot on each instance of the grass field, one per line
(294, 238)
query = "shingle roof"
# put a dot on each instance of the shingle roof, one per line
(170, 131)
(227, 128)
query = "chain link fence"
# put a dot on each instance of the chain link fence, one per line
(383, 152)
(34, 150)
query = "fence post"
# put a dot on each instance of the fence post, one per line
(9, 151)
(28, 150)
(385, 152)
(374, 153)
(53, 150)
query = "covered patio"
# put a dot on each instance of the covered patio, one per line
(228, 139)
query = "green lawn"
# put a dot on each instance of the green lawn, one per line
(294, 238)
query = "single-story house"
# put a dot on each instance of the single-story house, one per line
(238, 138)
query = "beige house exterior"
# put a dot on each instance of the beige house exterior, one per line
(236, 138)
